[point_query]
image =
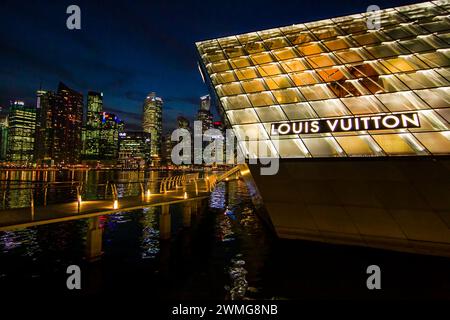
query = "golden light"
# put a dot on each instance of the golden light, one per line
(79, 199)
(148, 193)
(185, 195)
(116, 204)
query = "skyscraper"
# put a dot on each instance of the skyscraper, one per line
(22, 124)
(134, 149)
(152, 123)
(91, 132)
(70, 119)
(3, 137)
(110, 128)
(60, 117)
(204, 114)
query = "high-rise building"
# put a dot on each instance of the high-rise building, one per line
(110, 128)
(92, 130)
(152, 123)
(21, 133)
(168, 145)
(3, 137)
(59, 126)
(204, 114)
(46, 126)
(134, 149)
(69, 117)
(356, 113)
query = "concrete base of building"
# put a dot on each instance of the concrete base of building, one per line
(399, 204)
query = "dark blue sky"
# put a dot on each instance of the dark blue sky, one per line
(129, 48)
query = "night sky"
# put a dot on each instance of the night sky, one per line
(127, 49)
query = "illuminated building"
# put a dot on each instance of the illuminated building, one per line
(168, 145)
(204, 114)
(3, 137)
(362, 173)
(91, 132)
(21, 131)
(134, 149)
(152, 123)
(59, 126)
(110, 128)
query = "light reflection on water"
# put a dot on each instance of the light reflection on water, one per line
(205, 260)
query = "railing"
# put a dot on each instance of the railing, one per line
(39, 191)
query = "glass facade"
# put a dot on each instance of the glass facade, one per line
(339, 69)
(135, 149)
(152, 123)
(22, 125)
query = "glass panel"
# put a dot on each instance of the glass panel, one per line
(394, 144)
(386, 50)
(285, 53)
(301, 38)
(317, 92)
(236, 102)
(271, 114)
(320, 61)
(331, 74)
(276, 43)
(240, 62)
(399, 33)
(287, 96)
(242, 116)
(259, 149)
(229, 89)
(255, 85)
(304, 78)
(248, 73)
(401, 101)
(364, 105)
(223, 77)
(269, 70)
(261, 99)
(445, 113)
(310, 49)
(254, 47)
(330, 108)
(337, 44)
(357, 145)
(436, 98)
(369, 38)
(293, 65)
(250, 132)
(278, 82)
(234, 52)
(298, 111)
(323, 147)
(219, 67)
(349, 56)
(261, 58)
(291, 148)
(403, 64)
(436, 59)
(384, 83)
(435, 142)
(431, 121)
(327, 32)
(423, 79)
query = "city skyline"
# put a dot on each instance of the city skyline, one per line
(159, 55)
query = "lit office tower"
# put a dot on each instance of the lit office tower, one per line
(91, 132)
(152, 123)
(3, 137)
(204, 114)
(59, 126)
(134, 149)
(110, 128)
(21, 132)
(70, 118)
(374, 95)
